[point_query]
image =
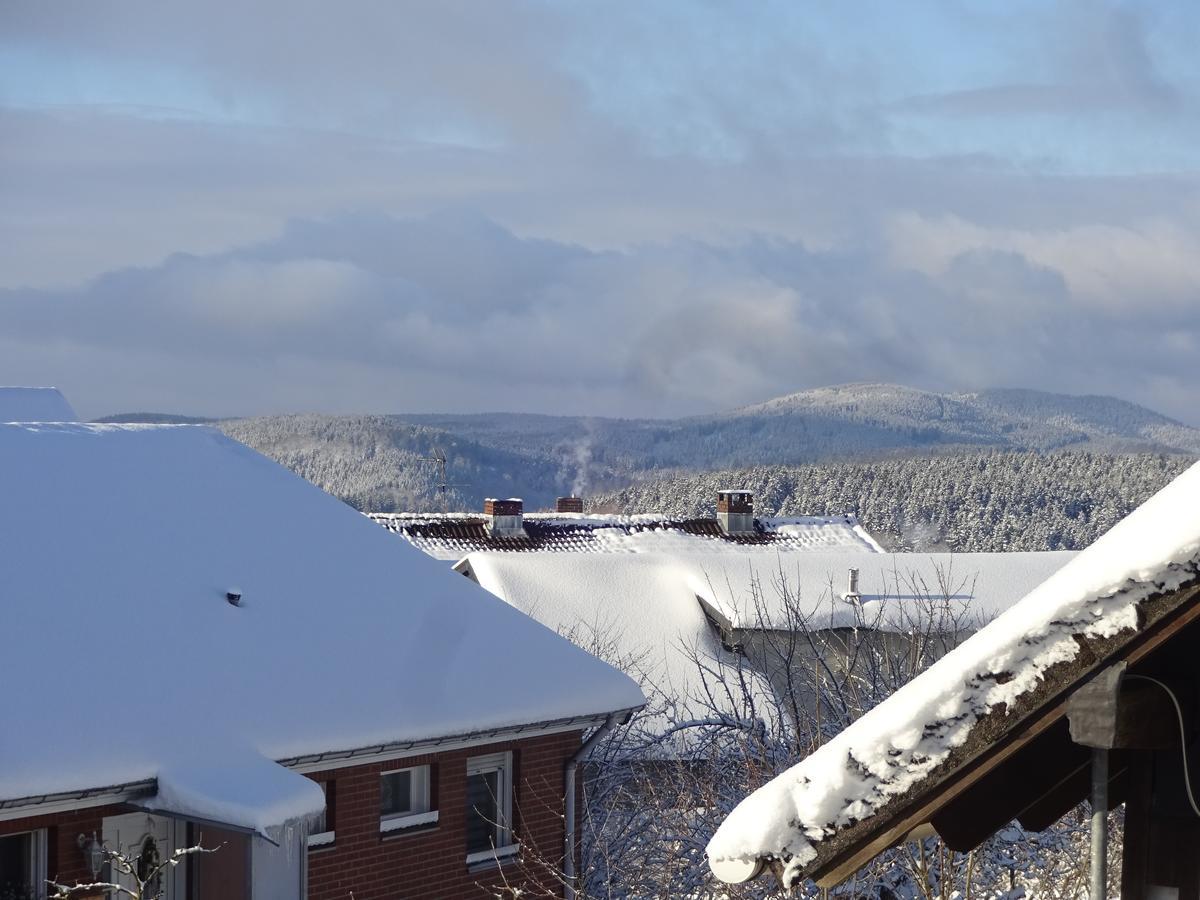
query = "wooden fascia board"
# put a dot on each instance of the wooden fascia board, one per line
(921, 809)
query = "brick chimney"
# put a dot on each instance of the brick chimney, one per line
(735, 512)
(569, 504)
(504, 517)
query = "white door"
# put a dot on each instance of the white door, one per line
(147, 840)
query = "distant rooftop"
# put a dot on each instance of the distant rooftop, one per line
(454, 535)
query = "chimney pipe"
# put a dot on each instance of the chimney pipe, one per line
(852, 587)
(504, 518)
(735, 512)
(569, 504)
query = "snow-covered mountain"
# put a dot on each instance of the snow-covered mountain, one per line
(844, 422)
(889, 414)
(382, 462)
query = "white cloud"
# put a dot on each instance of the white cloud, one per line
(1154, 264)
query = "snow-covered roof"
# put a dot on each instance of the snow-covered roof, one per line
(34, 404)
(452, 536)
(893, 749)
(641, 608)
(119, 545)
(645, 607)
(896, 591)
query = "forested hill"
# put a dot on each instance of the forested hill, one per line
(380, 464)
(991, 501)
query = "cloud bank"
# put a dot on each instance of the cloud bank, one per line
(634, 210)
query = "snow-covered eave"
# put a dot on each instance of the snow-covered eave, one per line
(993, 738)
(134, 793)
(315, 762)
(144, 790)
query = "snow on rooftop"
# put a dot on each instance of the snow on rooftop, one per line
(234, 787)
(34, 404)
(895, 746)
(895, 590)
(639, 607)
(452, 536)
(645, 607)
(119, 545)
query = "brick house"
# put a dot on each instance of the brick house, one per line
(212, 650)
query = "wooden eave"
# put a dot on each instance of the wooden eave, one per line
(998, 736)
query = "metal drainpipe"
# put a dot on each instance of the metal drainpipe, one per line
(1099, 884)
(569, 830)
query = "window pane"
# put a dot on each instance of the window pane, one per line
(397, 794)
(482, 811)
(15, 878)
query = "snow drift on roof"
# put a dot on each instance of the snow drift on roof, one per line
(34, 404)
(641, 608)
(895, 746)
(896, 591)
(119, 545)
(242, 789)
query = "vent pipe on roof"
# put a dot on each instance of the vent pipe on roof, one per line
(735, 512)
(504, 518)
(852, 593)
(569, 504)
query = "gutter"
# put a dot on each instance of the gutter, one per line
(64, 801)
(569, 825)
(314, 762)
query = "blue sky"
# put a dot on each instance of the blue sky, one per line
(729, 200)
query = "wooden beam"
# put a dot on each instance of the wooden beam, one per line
(1135, 842)
(1072, 791)
(1006, 791)
(925, 805)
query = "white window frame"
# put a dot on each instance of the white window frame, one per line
(321, 839)
(505, 843)
(420, 814)
(38, 863)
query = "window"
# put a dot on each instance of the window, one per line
(404, 799)
(489, 807)
(23, 865)
(320, 829)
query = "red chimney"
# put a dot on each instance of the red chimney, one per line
(505, 517)
(735, 511)
(569, 505)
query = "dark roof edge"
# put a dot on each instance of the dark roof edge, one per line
(35, 804)
(337, 758)
(1000, 733)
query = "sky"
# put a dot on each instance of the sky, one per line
(599, 208)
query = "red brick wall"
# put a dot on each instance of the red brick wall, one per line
(431, 862)
(65, 863)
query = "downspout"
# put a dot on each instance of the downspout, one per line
(569, 829)
(1099, 867)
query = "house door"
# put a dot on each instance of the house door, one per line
(146, 841)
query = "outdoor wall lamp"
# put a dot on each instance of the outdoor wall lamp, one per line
(93, 852)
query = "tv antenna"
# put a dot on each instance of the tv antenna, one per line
(438, 457)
